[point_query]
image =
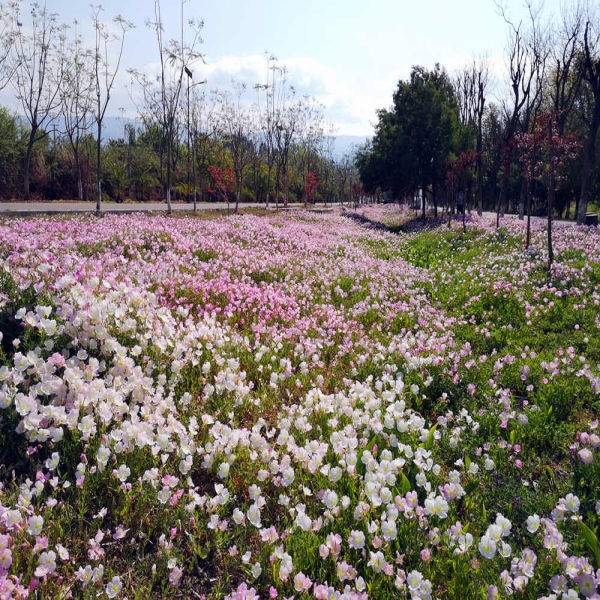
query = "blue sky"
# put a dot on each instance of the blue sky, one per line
(349, 54)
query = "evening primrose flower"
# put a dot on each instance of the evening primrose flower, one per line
(377, 561)
(175, 576)
(35, 525)
(122, 473)
(414, 580)
(586, 584)
(533, 523)
(571, 503)
(224, 470)
(256, 570)
(504, 524)
(389, 531)
(46, 564)
(464, 543)
(52, 462)
(356, 540)
(113, 587)
(120, 532)
(238, 516)
(586, 456)
(253, 515)
(84, 575)
(487, 547)
(302, 583)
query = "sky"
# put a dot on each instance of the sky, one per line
(348, 54)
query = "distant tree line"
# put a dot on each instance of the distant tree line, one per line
(446, 137)
(261, 145)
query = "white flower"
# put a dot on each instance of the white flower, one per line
(256, 570)
(571, 503)
(287, 476)
(253, 515)
(533, 523)
(356, 540)
(414, 580)
(487, 547)
(35, 525)
(238, 516)
(377, 561)
(46, 564)
(123, 472)
(464, 543)
(494, 532)
(389, 531)
(504, 524)
(113, 587)
(52, 462)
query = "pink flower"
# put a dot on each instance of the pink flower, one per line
(175, 576)
(120, 532)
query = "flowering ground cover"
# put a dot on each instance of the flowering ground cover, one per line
(297, 405)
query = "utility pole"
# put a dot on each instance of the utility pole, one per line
(188, 72)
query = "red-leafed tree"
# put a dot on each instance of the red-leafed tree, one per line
(544, 153)
(357, 193)
(459, 177)
(311, 186)
(222, 183)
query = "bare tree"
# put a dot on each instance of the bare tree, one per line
(237, 128)
(267, 118)
(176, 58)
(37, 71)
(76, 95)
(527, 54)
(285, 125)
(345, 174)
(104, 77)
(471, 86)
(565, 79)
(591, 75)
(7, 38)
(206, 133)
(310, 137)
(328, 158)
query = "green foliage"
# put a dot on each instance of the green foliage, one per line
(414, 139)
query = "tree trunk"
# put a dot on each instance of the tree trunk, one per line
(522, 199)
(79, 175)
(589, 160)
(528, 236)
(98, 168)
(502, 198)
(551, 194)
(479, 148)
(27, 164)
(169, 158)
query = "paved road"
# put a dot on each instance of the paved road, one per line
(32, 208)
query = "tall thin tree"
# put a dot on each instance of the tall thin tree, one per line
(104, 77)
(37, 71)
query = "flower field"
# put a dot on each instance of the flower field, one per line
(297, 405)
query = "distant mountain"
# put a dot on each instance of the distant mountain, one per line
(347, 143)
(113, 128)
